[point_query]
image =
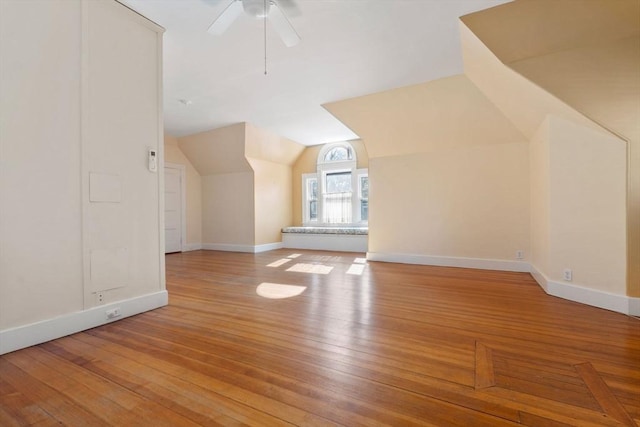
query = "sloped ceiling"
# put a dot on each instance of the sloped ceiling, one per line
(443, 114)
(586, 53)
(349, 48)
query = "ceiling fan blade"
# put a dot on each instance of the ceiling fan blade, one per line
(282, 26)
(226, 18)
(289, 7)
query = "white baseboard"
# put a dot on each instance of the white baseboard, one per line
(593, 297)
(187, 247)
(596, 298)
(634, 306)
(483, 264)
(228, 247)
(46, 330)
(268, 247)
(326, 242)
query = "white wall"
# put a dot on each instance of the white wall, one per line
(66, 116)
(40, 181)
(121, 121)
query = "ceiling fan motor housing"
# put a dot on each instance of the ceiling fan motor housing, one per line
(256, 8)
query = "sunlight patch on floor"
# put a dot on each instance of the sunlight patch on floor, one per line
(279, 262)
(356, 269)
(360, 260)
(311, 268)
(279, 291)
(294, 255)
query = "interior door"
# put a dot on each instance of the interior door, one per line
(172, 210)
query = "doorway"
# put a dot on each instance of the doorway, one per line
(174, 207)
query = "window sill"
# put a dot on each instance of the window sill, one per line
(327, 230)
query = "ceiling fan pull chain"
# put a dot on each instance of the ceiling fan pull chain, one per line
(265, 37)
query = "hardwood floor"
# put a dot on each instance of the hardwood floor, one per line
(397, 345)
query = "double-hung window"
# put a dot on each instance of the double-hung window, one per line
(311, 189)
(337, 193)
(363, 194)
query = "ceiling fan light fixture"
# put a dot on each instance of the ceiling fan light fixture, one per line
(256, 8)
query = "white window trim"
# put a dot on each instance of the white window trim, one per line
(359, 173)
(328, 147)
(306, 220)
(324, 168)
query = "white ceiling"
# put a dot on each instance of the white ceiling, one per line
(349, 48)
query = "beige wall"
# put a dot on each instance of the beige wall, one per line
(538, 27)
(264, 145)
(217, 151)
(470, 203)
(228, 209)
(67, 114)
(439, 115)
(588, 203)
(272, 195)
(603, 82)
(307, 163)
(507, 89)
(448, 172)
(246, 183)
(271, 158)
(590, 62)
(540, 173)
(227, 184)
(173, 154)
(578, 205)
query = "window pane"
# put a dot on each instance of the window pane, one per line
(313, 210)
(338, 154)
(337, 208)
(364, 187)
(338, 182)
(364, 210)
(313, 189)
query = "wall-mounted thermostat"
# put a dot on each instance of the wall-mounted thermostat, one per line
(153, 160)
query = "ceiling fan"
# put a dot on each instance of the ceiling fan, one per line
(259, 9)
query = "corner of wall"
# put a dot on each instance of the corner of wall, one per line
(589, 296)
(36, 333)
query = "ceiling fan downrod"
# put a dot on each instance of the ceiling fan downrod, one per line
(265, 37)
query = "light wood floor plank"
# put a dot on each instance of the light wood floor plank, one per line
(399, 345)
(603, 394)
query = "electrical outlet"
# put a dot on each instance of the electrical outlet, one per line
(100, 297)
(567, 274)
(113, 313)
(519, 254)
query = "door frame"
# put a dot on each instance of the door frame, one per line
(183, 201)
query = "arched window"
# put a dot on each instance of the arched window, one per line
(338, 153)
(337, 193)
